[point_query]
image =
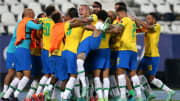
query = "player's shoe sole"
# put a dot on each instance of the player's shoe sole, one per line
(35, 97)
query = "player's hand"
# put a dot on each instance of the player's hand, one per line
(132, 17)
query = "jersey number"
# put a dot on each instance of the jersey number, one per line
(46, 29)
(134, 30)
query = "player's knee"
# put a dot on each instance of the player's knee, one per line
(82, 56)
(97, 73)
(132, 73)
(121, 71)
(139, 72)
(151, 78)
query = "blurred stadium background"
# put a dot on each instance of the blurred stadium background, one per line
(168, 16)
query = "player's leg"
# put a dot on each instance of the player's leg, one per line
(13, 85)
(122, 82)
(81, 72)
(131, 93)
(23, 82)
(77, 89)
(106, 84)
(57, 88)
(69, 86)
(114, 86)
(32, 89)
(155, 81)
(133, 75)
(7, 80)
(98, 84)
(45, 64)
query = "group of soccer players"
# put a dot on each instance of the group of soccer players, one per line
(86, 55)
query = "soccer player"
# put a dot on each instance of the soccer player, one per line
(10, 62)
(96, 7)
(113, 85)
(47, 23)
(127, 53)
(101, 62)
(73, 33)
(151, 57)
(55, 51)
(22, 53)
(36, 61)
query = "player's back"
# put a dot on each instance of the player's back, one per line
(128, 35)
(73, 37)
(48, 23)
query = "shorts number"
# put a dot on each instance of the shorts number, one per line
(46, 29)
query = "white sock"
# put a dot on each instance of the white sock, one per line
(122, 85)
(145, 84)
(98, 87)
(22, 83)
(50, 87)
(81, 72)
(12, 86)
(136, 84)
(91, 87)
(106, 85)
(99, 25)
(158, 83)
(69, 87)
(5, 88)
(77, 89)
(41, 84)
(33, 88)
(56, 89)
(114, 86)
(47, 84)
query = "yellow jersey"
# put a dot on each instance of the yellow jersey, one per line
(151, 40)
(48, 23)
(105, 42)
(73, 37)
(86, 32)
(127, 40)
(114, 37)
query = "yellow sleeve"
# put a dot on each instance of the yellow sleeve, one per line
(94, 17)
(123, 22)
(156, 27)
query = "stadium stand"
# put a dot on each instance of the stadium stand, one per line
(168, 10)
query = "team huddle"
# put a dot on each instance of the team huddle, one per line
(85, 55)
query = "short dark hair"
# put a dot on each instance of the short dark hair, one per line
(56, 17)
(102, 14)
(154, 15)
(121, 9)
(39, 16)
(121, 4)
(49, 10)
(98, 3)
(72, 12)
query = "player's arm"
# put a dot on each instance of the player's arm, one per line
(144, 25)
(33, 25)
(76, 24)
(115, 29)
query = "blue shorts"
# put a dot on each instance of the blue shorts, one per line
(88, 44)
(45, 62)
(114, 55)
(60, 71)
(127, 60)
(101, 59)
(150, 64)
(22, 59)
(70, 60)
(36, 66)
(52, 64)
(87, 63)
(10, 64)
